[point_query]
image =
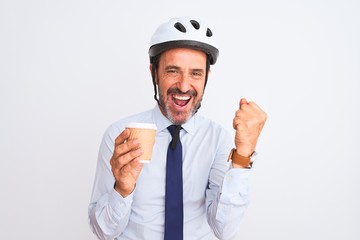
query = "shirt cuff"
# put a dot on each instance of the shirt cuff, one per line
(235, 187)
(120, 205)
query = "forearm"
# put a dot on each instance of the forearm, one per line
(226, 206)
(109, 216)
(108, 211)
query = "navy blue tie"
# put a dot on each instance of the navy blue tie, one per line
(174, 214)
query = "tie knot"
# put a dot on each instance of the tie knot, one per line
(174, 129)
(175, 133)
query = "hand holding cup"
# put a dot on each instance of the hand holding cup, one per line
(132, 148)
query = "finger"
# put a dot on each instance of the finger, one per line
(136, 164)
(122, 137)
(125, 147)
(124, 159)
(135, 153)
(236, 122)
(243, 112)
(131, 166)
(254, 105)
(242, 102)
(259, 112)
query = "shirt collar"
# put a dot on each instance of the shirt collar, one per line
(162, 122)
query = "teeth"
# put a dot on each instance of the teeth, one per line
(184, 98)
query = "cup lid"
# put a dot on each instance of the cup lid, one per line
(141, 125)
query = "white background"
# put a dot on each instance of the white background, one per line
(70, 68)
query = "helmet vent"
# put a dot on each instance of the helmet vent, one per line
(195, 24)
(209, 32)
(180, 27)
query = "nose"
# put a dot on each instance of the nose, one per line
(184, 83)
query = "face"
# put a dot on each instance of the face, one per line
(181, 79)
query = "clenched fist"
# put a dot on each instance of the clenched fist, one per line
(248, 123)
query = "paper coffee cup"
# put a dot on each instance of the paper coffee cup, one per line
(145, 133)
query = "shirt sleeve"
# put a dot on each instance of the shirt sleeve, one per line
(108, 211)
(227, 196)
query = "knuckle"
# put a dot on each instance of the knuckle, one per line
(117, 151)
(125, 169)
(114, 162)
(122, 137)
(241, 126)
(133, 143)
(135, 153)
(262, 117)
(240, 114)
(265, 116)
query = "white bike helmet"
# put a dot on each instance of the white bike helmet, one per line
(183, 32)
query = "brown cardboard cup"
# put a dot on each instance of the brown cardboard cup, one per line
(145, 133)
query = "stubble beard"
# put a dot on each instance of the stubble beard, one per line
(177, 118)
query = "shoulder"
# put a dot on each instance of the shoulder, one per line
(144, 117)
(118, 126)
(208, 126)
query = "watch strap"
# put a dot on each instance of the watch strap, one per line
(240, 160)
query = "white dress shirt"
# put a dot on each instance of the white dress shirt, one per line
(215, 195)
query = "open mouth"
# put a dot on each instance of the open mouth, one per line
(181, 100)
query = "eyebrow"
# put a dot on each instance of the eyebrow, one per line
(172, 67)
(198, 70)
(178, 68)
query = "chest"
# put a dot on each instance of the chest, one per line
(198, 155)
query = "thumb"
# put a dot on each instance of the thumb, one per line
(243, 101)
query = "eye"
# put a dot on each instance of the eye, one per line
(197, 73)
(172, 71)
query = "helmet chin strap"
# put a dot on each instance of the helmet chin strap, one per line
(153, 76)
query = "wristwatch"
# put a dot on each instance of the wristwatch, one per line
(245, 162)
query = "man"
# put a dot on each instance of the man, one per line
(132, 200)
